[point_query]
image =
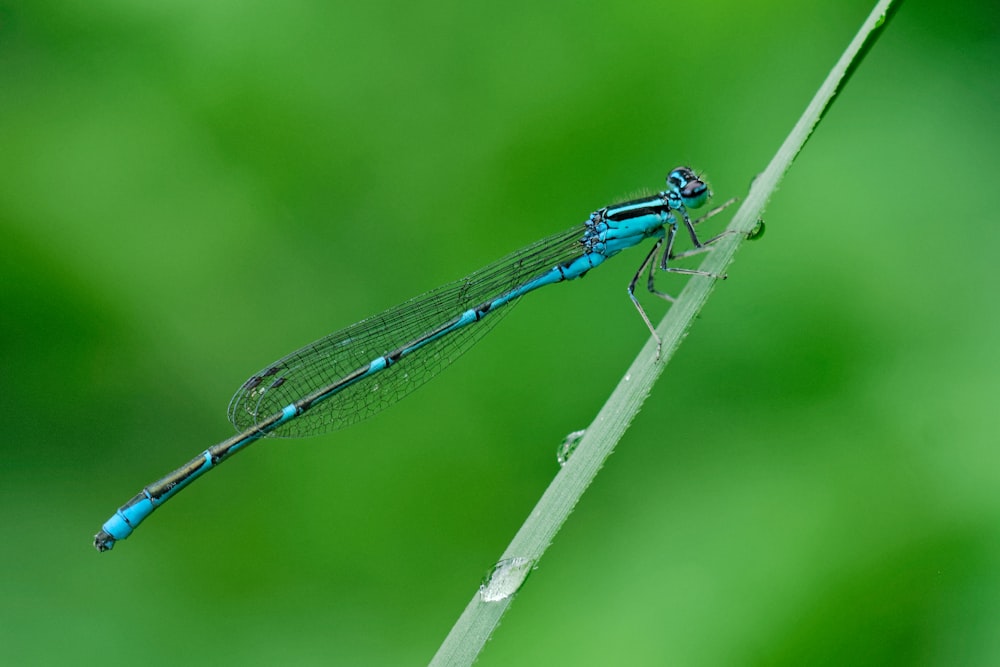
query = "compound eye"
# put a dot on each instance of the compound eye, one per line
(694, 193)
(680, 177)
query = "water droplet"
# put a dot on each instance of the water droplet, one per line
(506, 578)
(374, 388)
(757, 231)
(568, 446)
(628, 377)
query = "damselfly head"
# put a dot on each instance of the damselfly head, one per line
(692, 190)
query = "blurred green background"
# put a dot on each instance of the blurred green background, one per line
(190, 190)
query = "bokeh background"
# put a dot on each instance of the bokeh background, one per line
(190, 190)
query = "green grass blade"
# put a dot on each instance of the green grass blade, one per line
(483, 613)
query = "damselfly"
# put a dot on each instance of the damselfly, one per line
(353, 373)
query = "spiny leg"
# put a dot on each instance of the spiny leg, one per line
(701, 247)
(668, 253)
(635, 302)
(651, 282)
(716, 211)
(651, 278)
(690, 227)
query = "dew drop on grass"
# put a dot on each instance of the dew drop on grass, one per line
(757, 231)
(505, 579)
(568, 446)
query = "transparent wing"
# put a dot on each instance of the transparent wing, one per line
(330, 359)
